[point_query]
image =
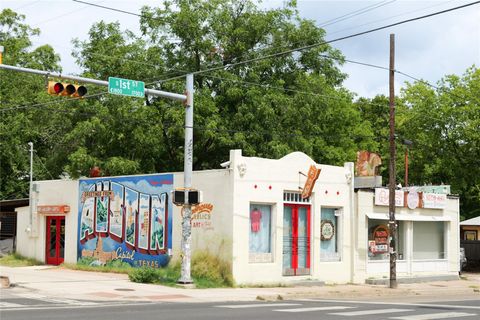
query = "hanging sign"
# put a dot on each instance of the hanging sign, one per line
(312, 177)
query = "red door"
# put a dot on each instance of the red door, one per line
(296, 239)
(55, 248)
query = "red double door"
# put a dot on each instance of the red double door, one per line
(296, 239)
(55, 242)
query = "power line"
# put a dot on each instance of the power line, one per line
(388, 18)
(355, 13)
(304, 47)
(334, 40)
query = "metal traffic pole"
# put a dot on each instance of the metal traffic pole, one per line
(188, 158)
(186, 254)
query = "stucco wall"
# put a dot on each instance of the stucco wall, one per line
(214, 234)
(409, 266)
(31, 240)
(264, 181)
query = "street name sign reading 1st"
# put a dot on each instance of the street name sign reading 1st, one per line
(126, 87)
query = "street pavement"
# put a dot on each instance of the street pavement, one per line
(60, 286)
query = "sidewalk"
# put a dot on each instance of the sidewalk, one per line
(92, 286)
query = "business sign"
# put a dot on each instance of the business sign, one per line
(434, 200)
(313, 174)
(382, 197)
(125, 218)
(367, 163)
(54, 209)
(413, 200)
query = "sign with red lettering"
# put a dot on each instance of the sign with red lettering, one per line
(380, 236)
(53, 209)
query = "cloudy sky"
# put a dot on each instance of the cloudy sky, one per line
(428, 49)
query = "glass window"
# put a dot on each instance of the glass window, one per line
(260, 228)
(379, 240)
(428, 240)
(329, 235)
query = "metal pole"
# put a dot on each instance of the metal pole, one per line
(151, 92)
(30, 199)
(406, 167)
(392, 222)
(187, 178)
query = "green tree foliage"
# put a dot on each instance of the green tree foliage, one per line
(444, 123)
(267, 108)
(18, 126)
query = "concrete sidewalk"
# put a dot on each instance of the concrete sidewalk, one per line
(63, 283)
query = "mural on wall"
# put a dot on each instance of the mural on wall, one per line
(125, 218)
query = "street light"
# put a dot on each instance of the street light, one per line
(407, 143)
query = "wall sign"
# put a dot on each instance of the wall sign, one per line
(327, 230)
(382, 197)
(434, 200)
(202, 216)
(53, 209)
(413, 200)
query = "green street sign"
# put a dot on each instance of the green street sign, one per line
(125, 87)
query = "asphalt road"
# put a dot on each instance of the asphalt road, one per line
(22, 308)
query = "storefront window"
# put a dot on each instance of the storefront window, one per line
(428, 240)
(260, 229)
(379, 240)
(329, 235)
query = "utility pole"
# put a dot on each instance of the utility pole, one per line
(392, 223)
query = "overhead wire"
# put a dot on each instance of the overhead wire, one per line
(355, 13)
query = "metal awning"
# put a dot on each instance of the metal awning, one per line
(407, 217)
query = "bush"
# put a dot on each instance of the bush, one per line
(209, 271)
(144, 275)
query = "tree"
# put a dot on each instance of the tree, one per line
(444, 123)
(267, 108)
(18, 126)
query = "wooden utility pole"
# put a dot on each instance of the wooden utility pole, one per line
(392, 223)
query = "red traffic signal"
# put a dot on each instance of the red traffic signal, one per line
(66, 89)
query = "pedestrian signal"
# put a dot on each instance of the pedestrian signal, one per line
(66, 89)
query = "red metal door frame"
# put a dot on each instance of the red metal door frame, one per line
(58, 229)
(294, 259)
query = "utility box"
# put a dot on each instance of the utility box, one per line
(182, 197)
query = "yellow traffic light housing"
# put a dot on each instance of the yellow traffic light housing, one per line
(66, 89)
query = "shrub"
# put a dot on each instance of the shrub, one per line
(144, 275)
(209, 270)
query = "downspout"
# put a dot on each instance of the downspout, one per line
(349, 174)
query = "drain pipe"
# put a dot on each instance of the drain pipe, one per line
(349, 175)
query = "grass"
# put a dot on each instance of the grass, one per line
(208, 271)
(16, 260)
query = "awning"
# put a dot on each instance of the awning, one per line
(407, 217)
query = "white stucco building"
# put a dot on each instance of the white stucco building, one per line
(252, 215)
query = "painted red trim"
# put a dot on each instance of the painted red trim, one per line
(308, 236)
(165, 225)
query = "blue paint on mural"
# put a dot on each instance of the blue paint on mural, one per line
(125, 218)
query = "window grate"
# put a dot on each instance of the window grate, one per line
(294, 197)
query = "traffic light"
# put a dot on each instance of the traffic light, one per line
(66, 89)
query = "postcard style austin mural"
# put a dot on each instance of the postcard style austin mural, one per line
(125, 219)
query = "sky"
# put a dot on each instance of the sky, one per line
(427, 49)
